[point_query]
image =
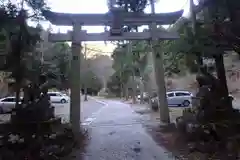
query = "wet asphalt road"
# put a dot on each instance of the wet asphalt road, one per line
(88, 108)
(63, 110)
(116, 133)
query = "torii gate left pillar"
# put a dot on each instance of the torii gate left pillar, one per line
(75, 85)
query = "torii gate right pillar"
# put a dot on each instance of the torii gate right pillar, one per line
(75, 84)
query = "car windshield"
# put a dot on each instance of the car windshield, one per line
(182, 94)
(9, 99)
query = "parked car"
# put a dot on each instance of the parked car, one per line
(175, 98)
(145, 96)
(58, 97)
(7, 104)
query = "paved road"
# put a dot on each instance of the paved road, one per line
(88, 108)
(116, 133)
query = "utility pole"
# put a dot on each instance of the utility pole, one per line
(141, 88)
(85, 86)
(133, 84)
(159, 72)
(121, 83)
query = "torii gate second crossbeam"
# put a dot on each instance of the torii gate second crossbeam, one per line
(106, 36)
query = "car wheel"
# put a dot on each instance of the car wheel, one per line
(186, 103)
(63, 101)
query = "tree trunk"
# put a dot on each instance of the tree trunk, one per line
(121, 90)
(199, 60)
(141, 97)
(222, 76)
(141, 92)
(18, 72)
(133, 89)
(17, 53)
(85, 93)
(219, 61)
(126, 92)
(133, 86)
(18, 88)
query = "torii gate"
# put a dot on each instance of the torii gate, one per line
(116, 18)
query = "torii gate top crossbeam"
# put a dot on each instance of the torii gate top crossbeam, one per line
(67, 19)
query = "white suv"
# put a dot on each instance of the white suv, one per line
(7, 104)
(179, 98)
(58, 97)
(176, 98)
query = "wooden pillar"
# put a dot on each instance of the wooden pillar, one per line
(194, 31)
(159, 74)
(161, 88)
(85, 83)
(75, 85)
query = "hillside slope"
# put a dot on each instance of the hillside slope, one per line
(232, 67)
